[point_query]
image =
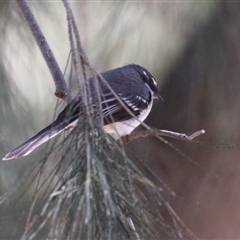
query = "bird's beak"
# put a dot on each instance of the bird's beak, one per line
(158, 96)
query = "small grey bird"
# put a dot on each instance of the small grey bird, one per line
(133, 84)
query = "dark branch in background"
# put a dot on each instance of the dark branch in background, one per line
(62, 90)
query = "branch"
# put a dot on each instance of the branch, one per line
(62, 90)
(158, 132)
(79, 54)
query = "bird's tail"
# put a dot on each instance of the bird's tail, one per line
(34, 142)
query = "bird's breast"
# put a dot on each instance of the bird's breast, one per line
(119, 129)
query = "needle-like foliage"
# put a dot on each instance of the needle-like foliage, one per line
(97, 192)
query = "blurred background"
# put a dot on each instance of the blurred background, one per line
(192, 48)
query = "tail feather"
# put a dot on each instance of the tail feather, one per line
(68, 118)
(34, 142)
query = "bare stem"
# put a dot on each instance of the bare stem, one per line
(62, 90)
(158, 132)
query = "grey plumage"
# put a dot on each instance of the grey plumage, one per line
(134, 85)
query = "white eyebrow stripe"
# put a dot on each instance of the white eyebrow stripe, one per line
(154, 81)
(145, 74)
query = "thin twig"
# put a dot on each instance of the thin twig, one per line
(158, 132)
(62, 90)
(75, 57)
(75, 43)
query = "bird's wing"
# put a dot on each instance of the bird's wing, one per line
(114, 111)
